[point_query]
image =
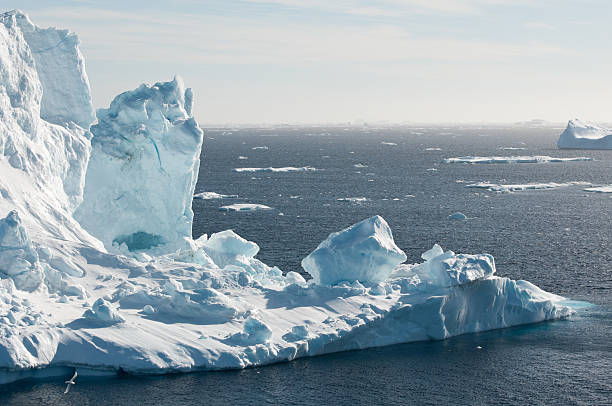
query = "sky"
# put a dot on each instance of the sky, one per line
(315, 61)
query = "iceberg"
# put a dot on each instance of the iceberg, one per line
(538, 159)
(148, 135)
(127, 288)
(580, 135)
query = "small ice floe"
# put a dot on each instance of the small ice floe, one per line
(538, 159)
(433, 149)
(457, 216)
(360, 166)
(283, 169)
(500, 188)
(353, 199)
(262, 148)
(245, 207)
(599, 189)
(212, 195)
(243, 157)
(388, 143)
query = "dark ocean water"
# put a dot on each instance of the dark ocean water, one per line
(559, 239)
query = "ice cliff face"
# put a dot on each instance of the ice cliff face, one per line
(143, 170)
(45, 113)
(580, 135)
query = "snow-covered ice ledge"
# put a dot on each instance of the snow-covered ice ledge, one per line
(127, 288)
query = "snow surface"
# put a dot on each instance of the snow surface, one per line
(511, 159)
(69, 299)
(283, 169)
(580, 135)
(508, 188)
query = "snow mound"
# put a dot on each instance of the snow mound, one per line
(364, 252)
(457, 216)
(538, 159)
(102, 311)
(283, 169)
(580, 135)
(245, 207)
(493, 187)
(143, 170)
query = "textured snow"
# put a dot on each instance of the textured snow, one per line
(364, 252)
(143, 170)
(580, 135)
(245, 207)
(68, 300)
(507, 188)
(282, 169)
(511, 159)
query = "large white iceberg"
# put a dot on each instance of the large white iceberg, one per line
(173, 303)
(580, 135)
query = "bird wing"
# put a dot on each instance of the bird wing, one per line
(74, 376)
(67, 389)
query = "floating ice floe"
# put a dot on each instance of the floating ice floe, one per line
(262, 148)
(457, 216)
(580, 135)
(160, 301)
(388, 143)
(212, 195)
(353, 199)
(511, 159)
(283, 169)
(600, 189)
(493, 187)
(244, 207)
(360, 166)
(512, 148)
(433, 149)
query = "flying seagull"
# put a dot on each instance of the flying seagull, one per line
(70, 382)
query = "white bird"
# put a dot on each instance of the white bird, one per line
(70, 382)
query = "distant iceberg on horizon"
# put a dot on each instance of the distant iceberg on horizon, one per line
(99, 269)
(581, 135)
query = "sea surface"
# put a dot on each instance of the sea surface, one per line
(558, 239)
